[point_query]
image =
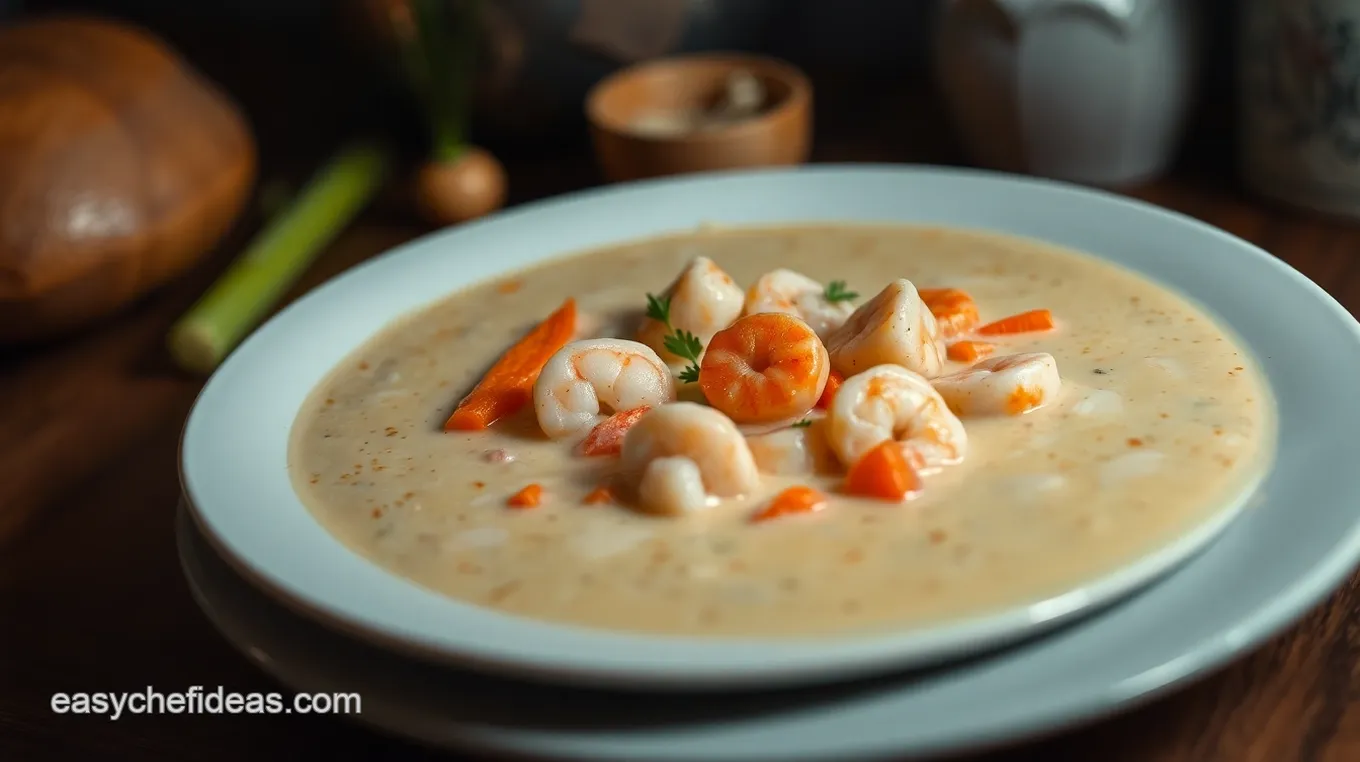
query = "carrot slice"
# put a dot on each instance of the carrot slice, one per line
(607, 436)
(833, 385)
(792, 501)
(599, 496)
(954, 309)
(883, 473)
(509, 384)
(1025, 322)
(529, 497)
(970, 351)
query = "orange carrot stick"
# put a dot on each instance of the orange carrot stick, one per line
(792, 501)
(833, 385)
(883, 473)
(607, 436)
(970, 351)
(509, 384)
(954, 309)
(599, 496)
(529, 497)
(1025, 322)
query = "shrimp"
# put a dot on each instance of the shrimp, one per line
(893, 328)
(891, 402)
(585, 377)
(793, 451)
(793, 293)
(1005, 385)
(703, 301)
(678, 456)
(764, 367)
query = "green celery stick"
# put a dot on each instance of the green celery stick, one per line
(276, 258)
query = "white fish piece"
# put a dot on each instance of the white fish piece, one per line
(703, 300)
(794, 451)
(1003, 385)
(893, 328)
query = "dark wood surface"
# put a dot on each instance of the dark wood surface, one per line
(91, 596)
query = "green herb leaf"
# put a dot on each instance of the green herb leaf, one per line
(684, 344)
(835, 292)
(803, 424)
(659, 309)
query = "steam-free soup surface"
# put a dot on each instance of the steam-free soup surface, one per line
(1163, 422)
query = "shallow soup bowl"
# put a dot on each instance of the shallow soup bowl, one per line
(234, 454)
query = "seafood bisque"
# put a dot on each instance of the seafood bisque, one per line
(784, 432)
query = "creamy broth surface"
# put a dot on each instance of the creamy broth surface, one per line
(1163, 421)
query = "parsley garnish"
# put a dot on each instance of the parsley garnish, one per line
(835, 292)
(659, 310)
(803, 424)
(682, 344)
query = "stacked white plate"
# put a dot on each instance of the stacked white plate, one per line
(320, 618)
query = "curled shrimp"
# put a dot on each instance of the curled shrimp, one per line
(1005, 385)
(678, 456)
(703, 300)
(891, 402)
(794, 293)
(764, 367)
(794, 450)
(584, 378)
(893, 328)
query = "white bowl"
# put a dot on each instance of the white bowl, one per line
(233, 455)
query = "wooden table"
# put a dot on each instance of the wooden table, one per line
(91, 596)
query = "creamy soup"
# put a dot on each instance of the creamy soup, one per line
(1162, 420)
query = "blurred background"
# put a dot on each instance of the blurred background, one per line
(171, 171)
(304, 70)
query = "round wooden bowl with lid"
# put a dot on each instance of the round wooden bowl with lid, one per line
(642, 118)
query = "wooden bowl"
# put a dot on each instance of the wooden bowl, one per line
(780, 134)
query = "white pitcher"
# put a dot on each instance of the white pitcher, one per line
(1091, 91)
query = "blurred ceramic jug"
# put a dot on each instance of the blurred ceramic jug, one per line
(1090, 91)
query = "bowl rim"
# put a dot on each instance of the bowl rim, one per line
(726, 198)
(798, 101)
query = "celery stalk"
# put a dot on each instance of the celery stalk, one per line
(276, 258)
